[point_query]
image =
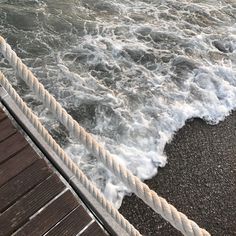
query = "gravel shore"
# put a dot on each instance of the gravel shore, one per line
(199, 180)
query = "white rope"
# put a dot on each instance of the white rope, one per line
(67, 160)
(158, 204)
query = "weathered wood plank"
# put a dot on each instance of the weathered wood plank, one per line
(23, 183)
(16, 164)
(94, 229)
(72, 224)
(110, 223)
(19, 213)
(51, 215)
(6, 129)
(11, 145)
(27, 185)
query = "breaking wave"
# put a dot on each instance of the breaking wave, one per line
(130, 72)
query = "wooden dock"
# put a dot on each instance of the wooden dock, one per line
(34, 198)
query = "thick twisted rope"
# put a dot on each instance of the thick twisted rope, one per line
(158, 204)
(67, 160)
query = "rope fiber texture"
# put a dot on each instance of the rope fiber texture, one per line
(157, 203)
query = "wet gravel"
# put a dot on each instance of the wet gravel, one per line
(199, 180)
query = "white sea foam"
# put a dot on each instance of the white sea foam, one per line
(132, 73)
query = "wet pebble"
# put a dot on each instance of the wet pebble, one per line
(225, 48)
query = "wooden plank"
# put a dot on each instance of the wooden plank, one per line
(51, 215)
(72, 224)
(23, 183)
(94, 229)
(7, 149)
(108, 221)
(15, 216)
(6, 129)
(16, 164)
(2, 115)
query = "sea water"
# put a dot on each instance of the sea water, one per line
(130, 72)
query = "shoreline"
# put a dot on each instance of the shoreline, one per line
(199, 180)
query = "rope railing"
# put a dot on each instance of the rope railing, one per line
(96, 193)
(157, 203)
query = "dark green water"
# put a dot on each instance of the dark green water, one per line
(131, 72)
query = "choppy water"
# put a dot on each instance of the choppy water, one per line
(131, 72)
